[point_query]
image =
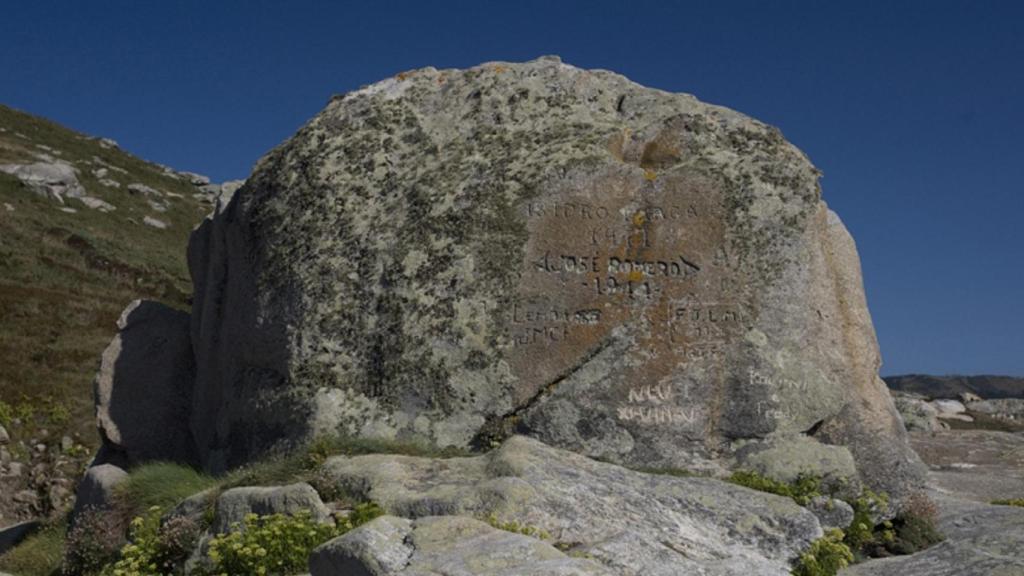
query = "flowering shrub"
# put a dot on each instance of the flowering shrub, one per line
(277, 544)
(94, 540)
(155, 549)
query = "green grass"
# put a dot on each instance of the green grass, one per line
(39, 555)
(1009, 502)
(162, 484)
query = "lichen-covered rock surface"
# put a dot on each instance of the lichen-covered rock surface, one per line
(452, 545)
(456, 255)
(629, 522)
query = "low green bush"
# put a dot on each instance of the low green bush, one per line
(801, 490)
(826, 556)
(277, 544)
(912, 529)
(1009, 502)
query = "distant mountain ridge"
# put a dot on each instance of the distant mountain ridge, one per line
(986, 386)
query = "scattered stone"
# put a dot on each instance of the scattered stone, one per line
(109, 183)
(4, 436)
(831, 512)
(97, 204)
(107, 143)
(40, 447)
(391, 546)
(100, 173)
(55, 180)
(8, 207)
(195, 179)
(150, 221)
(15, 469)
(969, 397)
(66, 443)
(138, 188)
(26, 497)
(68, 210)
(194, 507)
(631, 522)
(143, 392)
(620, 271)
(11, 536)
(158, 206)
(234, 504)
(949, 407)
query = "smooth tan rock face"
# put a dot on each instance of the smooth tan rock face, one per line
(457, 255)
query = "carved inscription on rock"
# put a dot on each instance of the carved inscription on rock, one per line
(619, 257)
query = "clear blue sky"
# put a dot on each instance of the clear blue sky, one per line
(913, 110)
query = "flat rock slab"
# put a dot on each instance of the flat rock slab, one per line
(980, 465)
(630, 522)
(450, 545)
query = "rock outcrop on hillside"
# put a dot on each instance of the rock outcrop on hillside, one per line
(457, 255)
(982, 386)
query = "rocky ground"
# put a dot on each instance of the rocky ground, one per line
(968, 469)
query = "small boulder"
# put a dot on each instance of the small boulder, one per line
(97, 204)
(4, 436)
(138, 188)
(150, 221)
(234, 504)
(55, 180)
(96, 489)
(949, 407)
(969, 397)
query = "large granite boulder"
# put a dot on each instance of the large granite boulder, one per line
(632, 523)
(457, 255)
(143, 389)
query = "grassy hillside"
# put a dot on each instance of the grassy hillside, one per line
(65, 276)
